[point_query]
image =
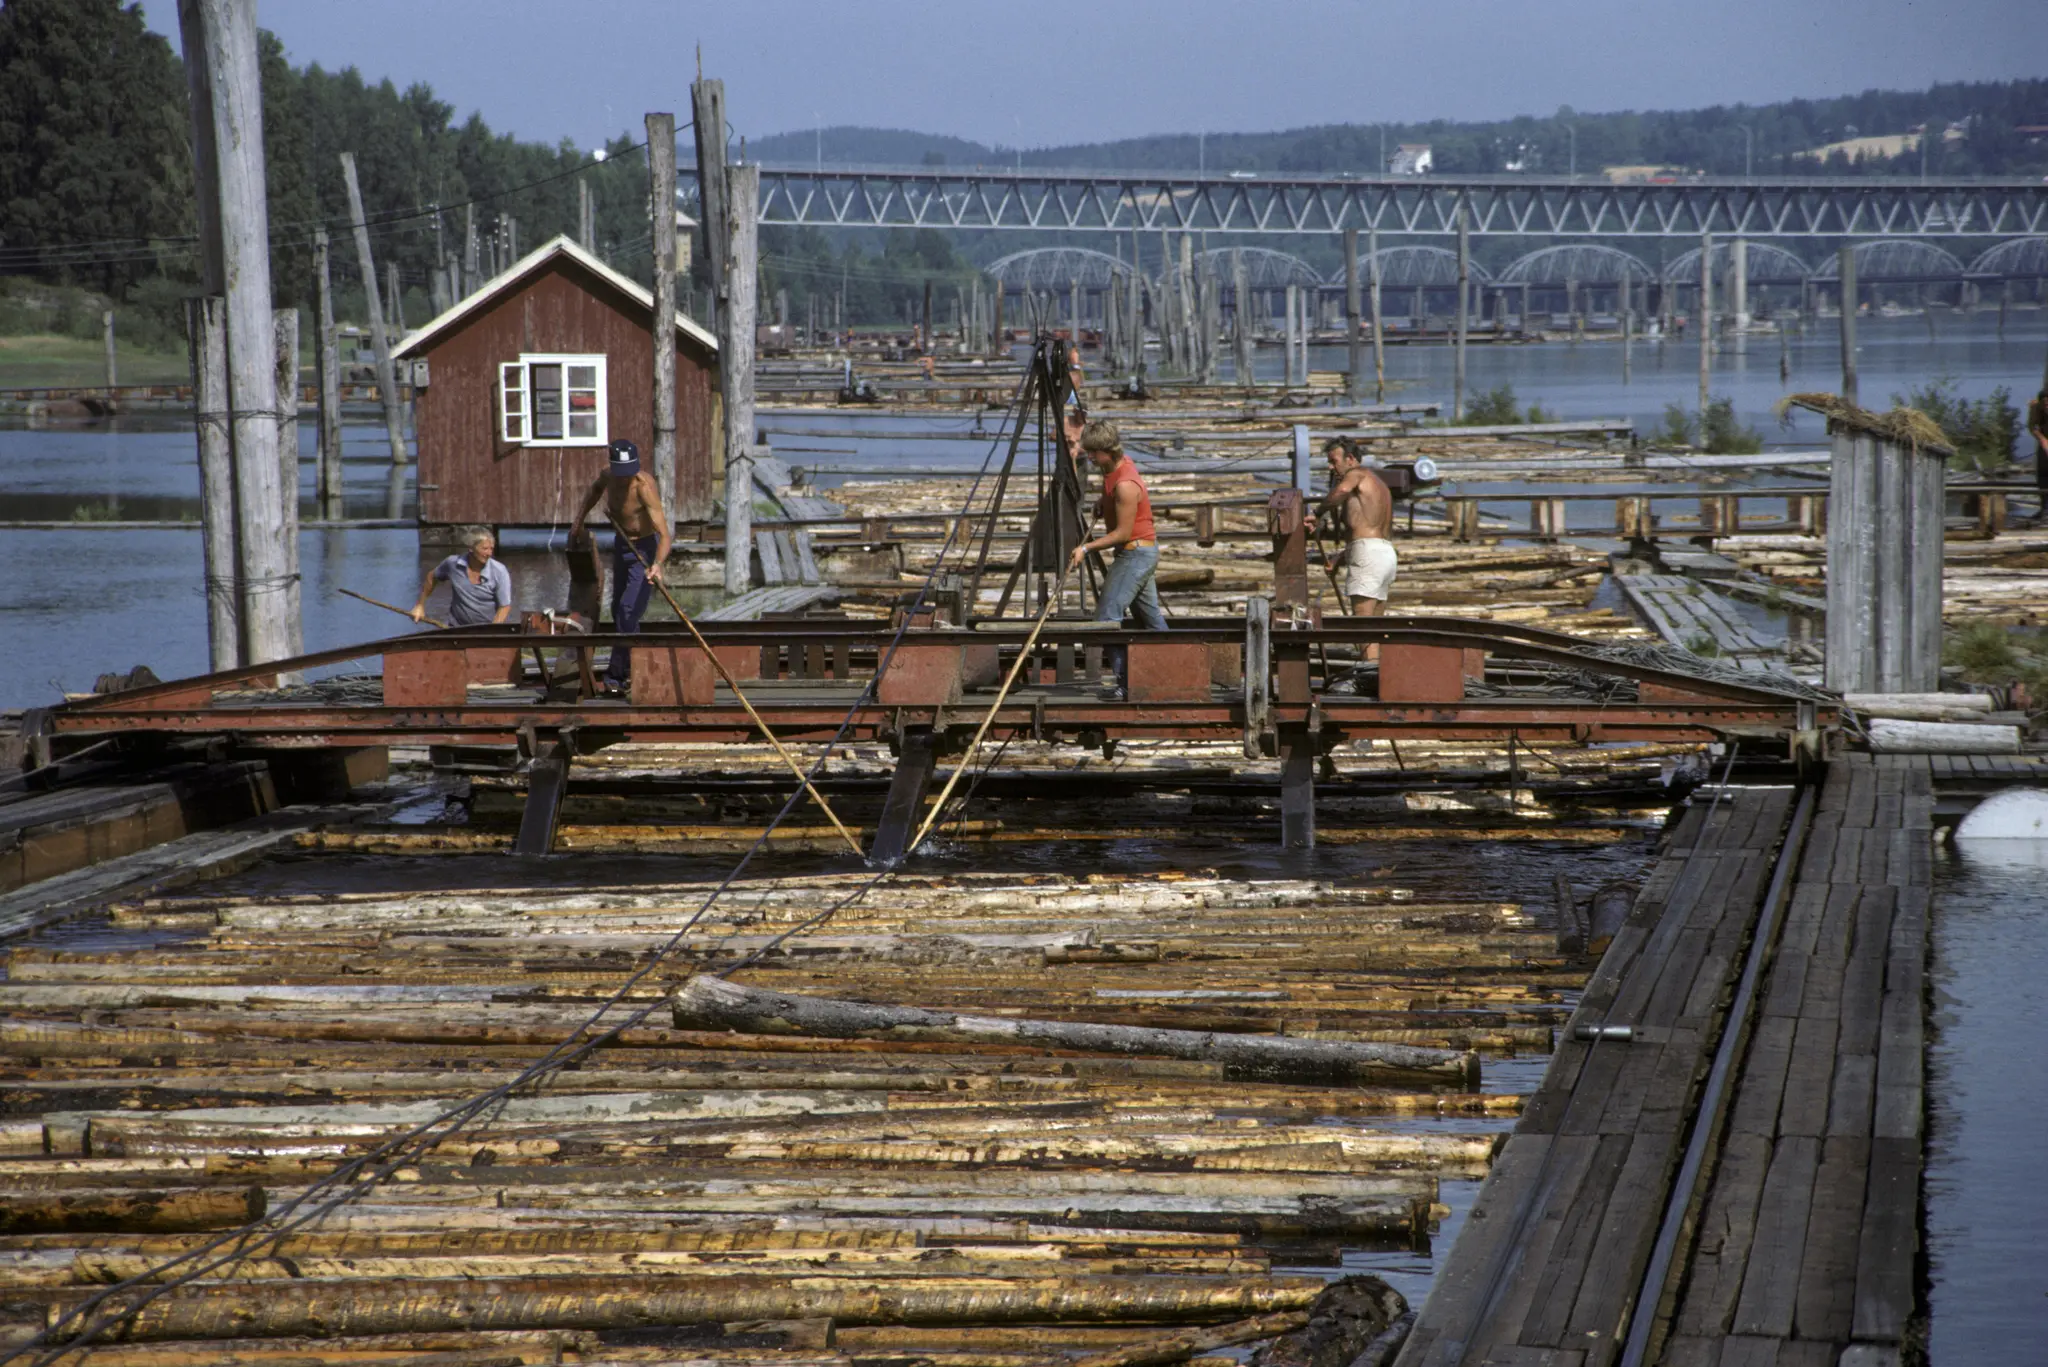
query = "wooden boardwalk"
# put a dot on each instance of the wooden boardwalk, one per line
(1800, 1232)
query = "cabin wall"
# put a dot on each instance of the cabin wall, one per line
(467, 475)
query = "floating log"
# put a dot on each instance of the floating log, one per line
(1611, 905)
(707, 1002)
(1181, 1346)
(407, 1305)
(1343, 1320)
(146, 1211)
(1942, 738)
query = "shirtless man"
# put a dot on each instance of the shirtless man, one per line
(1368, 512)
(640, 546)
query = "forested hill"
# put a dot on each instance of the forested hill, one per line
(1984, 117)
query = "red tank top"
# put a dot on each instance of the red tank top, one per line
(1124, 472)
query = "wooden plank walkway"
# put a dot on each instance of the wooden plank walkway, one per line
(1809, 1236)
(1802, 1236)
(1548, 1266)
(1687, 613)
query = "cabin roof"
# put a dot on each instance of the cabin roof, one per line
(525, 269)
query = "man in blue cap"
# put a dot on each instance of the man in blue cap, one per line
(640, 544)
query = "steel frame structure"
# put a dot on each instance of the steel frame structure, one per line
(1278, 205)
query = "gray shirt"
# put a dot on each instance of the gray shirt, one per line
(479, 602)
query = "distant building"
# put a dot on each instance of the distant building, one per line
(1411, 159)
(523, 384)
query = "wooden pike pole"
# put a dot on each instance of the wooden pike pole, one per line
(1016, 667)
(406, 613)
(740, 693)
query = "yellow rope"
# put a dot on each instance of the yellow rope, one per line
(737, 692)
(967, 759)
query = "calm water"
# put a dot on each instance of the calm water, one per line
(1987, 1209)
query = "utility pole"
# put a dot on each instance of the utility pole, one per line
(661, 168)
(735, 335)
(387, 374)
(1464, 308)
(1706, 326)
(330, 382)
(586, 230)
(220, 40)
(113, 370)
(1379, 350)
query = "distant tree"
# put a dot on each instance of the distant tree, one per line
(95, 154)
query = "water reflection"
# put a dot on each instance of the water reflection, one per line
(1987, 1214)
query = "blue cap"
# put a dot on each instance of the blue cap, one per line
(625, 458)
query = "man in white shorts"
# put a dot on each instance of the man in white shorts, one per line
(1360, 497)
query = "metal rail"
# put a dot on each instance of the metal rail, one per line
(1512, 206)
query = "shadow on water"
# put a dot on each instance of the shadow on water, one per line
(1987, 1211)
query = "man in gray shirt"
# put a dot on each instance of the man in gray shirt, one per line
(479, 587)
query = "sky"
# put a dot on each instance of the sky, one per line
(1052, 72)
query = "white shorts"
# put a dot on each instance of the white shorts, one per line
(1369, 568)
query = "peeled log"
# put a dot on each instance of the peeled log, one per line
(714, 1003)
(1182, 1346)
(406, 1305)
(1942, 738)
(143, 1212)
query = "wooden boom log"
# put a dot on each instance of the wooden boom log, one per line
(409, 1305)
(713, 1003)
(137, 1211)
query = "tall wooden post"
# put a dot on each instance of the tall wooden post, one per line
(1379, 347)
(107, 332)
(221, 36)
(736, 367)
(1885, 509)
(285, 355)
(387, 374)
(1628, 318)
(1354, 338)
(1211, 316)
(1847, 258)
(1706, 321)
(207, 326)
(1464, 312)
(1293, 312)
(472, 252)
(1241, 319)
(661, 167)
(330, 382)
(1738, 283)
(586, 222)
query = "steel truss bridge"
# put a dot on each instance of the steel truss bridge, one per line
(1502, 206)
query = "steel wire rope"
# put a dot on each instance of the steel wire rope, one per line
(394, 1153)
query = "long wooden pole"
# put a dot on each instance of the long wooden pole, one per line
(740, 693)
(1379, 350)
(387, 374)
(1354, 340)
(330, 381)
(736, 366)
(388, 607)
(661, 167)
(207, 326)
(1464, 312)
(285, 356)
(1847, 258)
(1706, 327)
(228, 31)
(1009, 680)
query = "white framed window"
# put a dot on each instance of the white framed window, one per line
(553, 400)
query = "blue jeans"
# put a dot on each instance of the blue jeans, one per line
(1129, 590)
(630, 595)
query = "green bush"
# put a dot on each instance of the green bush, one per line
(1982, 430)
(1494, 408)
(1719, 435)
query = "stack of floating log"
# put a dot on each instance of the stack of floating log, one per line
(1230, 1073)
(2001, 579)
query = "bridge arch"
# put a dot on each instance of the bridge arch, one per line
(1765, 264)
(1576, 276)
(1900, 261)
(1405, 267)
(1056, 268)
(2023, 256)
(1264, 268)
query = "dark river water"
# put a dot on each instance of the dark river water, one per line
(1987, 1215)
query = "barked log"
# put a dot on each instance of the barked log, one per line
(714, 1003)
(409, 1306)
(1180, 1347)
(1942, 738)
(142, 1211)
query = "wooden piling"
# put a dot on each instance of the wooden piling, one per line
(329, 362)
(1847, 259)
(472, 257)
(107, 333)
(285, 356)
(1354, 340)
(394, 299)
(736, 366)
(586, 221)
(1706, 324)
(1293, 321)
(227, 32)
(1379, 347)
(207, 327)
(387, 374)
(661, 168)
(1464, 312)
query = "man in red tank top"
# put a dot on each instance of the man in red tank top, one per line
(1126, 512)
